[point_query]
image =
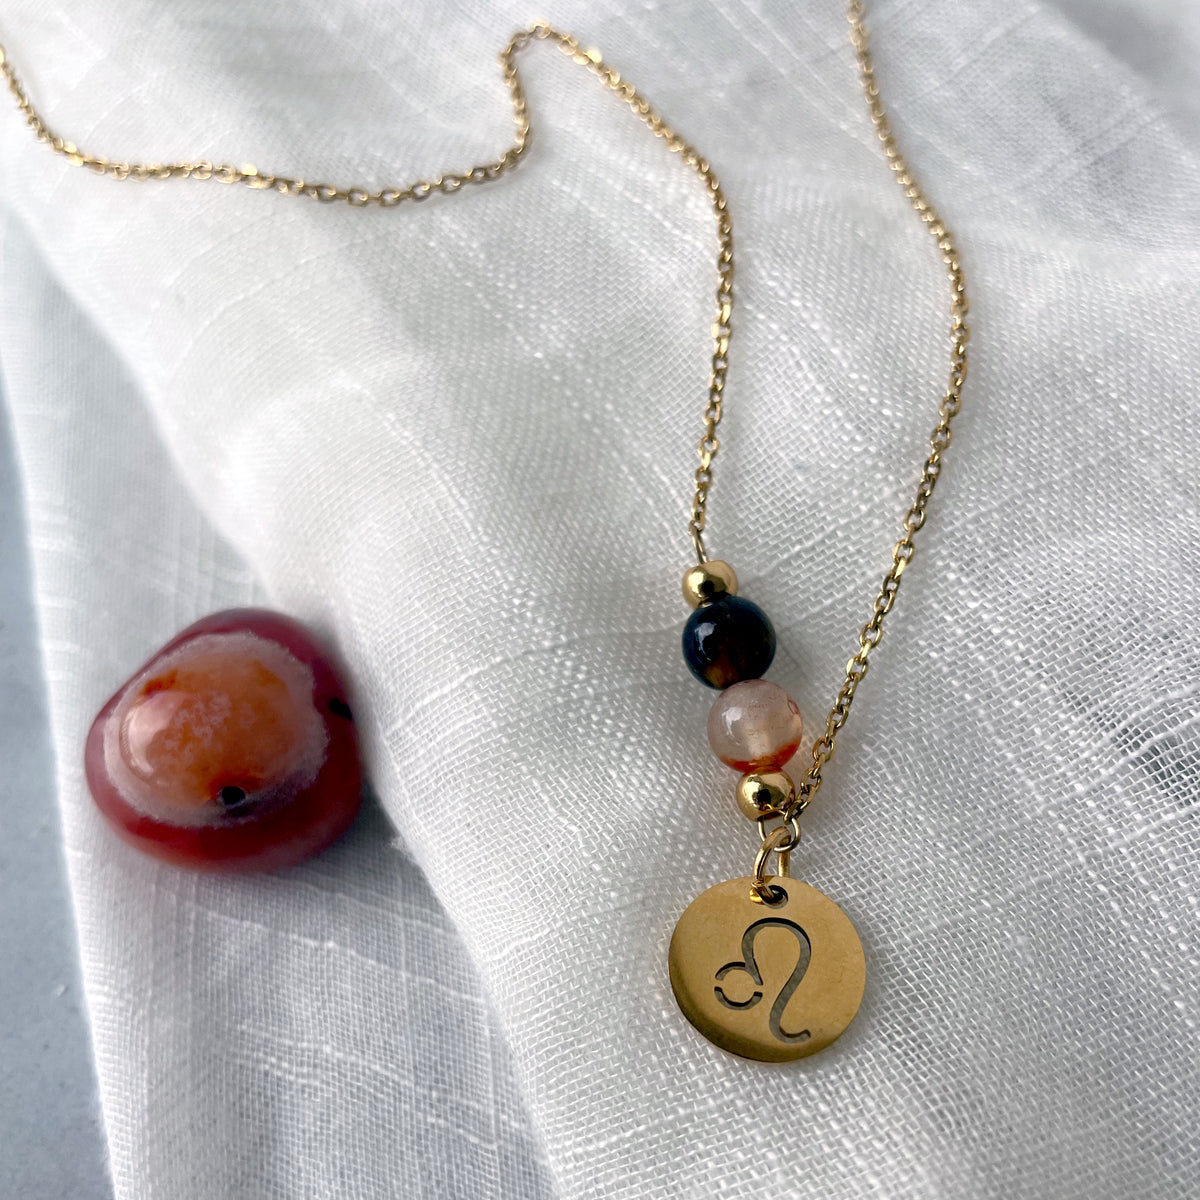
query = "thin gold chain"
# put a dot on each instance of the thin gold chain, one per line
(422, 189)
(447, 184)
(939, 440)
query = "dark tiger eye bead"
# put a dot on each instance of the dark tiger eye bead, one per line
(727, 641)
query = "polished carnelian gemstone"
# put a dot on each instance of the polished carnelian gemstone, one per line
(233, 748)
(755, 726)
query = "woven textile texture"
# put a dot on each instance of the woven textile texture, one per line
(458, 438)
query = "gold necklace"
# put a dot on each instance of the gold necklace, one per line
(796, 945)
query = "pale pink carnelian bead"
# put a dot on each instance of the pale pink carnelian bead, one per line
(754, 726)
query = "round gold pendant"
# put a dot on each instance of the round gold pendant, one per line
(772, 982)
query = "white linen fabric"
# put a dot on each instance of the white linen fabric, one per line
(458, 439)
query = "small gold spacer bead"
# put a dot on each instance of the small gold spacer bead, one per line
(709, 581)
(764, 794)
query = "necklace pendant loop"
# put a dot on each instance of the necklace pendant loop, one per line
(780, 841)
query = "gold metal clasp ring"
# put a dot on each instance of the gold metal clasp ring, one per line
(780, 842)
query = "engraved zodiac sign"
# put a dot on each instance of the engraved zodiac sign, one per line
(750, 966)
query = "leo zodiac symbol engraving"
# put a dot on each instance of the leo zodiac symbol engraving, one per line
(749, 965)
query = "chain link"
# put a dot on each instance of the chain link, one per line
(939, 440)
(447, 184)
(708, 446)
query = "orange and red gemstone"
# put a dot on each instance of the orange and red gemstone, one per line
(755, 726)
(233, 748)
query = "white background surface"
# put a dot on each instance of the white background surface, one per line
(51, 1137)
(468, 457)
